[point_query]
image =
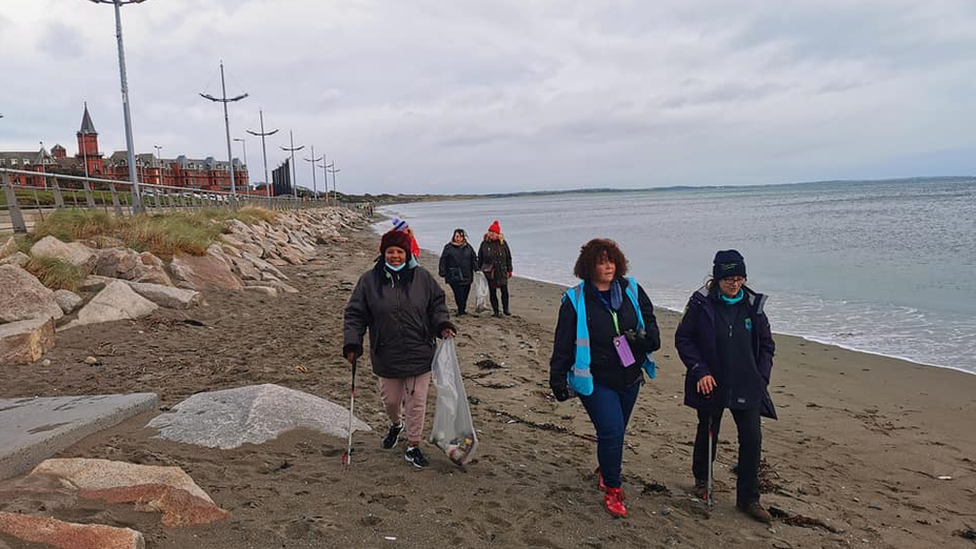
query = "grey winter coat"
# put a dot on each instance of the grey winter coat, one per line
(404, 313)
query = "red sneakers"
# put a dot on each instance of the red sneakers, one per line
(613, 498)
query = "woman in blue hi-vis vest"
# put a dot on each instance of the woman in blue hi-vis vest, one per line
(604, 336)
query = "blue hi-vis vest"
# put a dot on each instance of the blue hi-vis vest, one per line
(580, 378)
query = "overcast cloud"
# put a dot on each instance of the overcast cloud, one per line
(504, 95)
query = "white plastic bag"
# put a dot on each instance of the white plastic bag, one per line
(480, 287)
(453, 430)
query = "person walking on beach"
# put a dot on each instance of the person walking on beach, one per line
(457, 266)
(404, 309)
(725, 341)
(495, 260)
(402, 226)
(605, 332)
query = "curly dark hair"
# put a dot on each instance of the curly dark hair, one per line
(593, 251)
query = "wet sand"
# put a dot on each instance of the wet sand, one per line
(861, 443)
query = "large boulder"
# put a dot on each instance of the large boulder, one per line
(23, 297)
(26, 341)
(203, 272)
(167, 296)
(116, 302)
(75, 253)
(68, 535)
(127, 264)
(17, 258)
(67, 300)
(246, 269)
(8, 248)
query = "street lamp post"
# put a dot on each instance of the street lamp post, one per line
(335, 188)
(224, 99)
(292, 149)
(314, 161)
(136, 195)
(247, 170)
(264, 152)
(159, 159)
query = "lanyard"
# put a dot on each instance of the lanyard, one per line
(613, 315)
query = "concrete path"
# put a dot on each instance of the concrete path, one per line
(34, 429)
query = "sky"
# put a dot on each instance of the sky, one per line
(464, 96)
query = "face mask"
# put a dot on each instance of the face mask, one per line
(395, 269)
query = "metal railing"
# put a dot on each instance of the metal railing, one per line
(21, 206)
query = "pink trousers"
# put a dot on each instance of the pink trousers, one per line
(406, 396)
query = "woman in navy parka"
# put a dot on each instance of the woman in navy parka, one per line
(725, 341)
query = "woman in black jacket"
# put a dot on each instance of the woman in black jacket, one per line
(725, 341)
(495, 260)
(404, 309)
(616, 318)
(457, 266)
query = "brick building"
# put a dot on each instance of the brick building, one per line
(206, 174)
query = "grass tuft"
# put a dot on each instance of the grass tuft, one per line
(55, 273)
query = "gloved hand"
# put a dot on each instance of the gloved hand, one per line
(561, 392)
(638, 340)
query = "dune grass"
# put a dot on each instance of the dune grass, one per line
(163, 234)
(55, 273)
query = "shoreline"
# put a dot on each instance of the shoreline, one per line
(859, 451)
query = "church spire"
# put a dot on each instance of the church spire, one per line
(87, 128)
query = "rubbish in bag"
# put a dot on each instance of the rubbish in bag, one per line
(480, 287)
(453, 431)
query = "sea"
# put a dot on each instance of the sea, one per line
(884, 267)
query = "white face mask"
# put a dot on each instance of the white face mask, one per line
(396, 269)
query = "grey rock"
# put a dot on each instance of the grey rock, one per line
(254, 414)
(116, 302)
(128, 264)
(17, 258)
(75, 253)
(203, 272)
(23, 297)
(280, 286)
(94, 283)
(34, 429)
(167, 296)
(266, 291)
(67, 300)
(26, 341)
(9, 248)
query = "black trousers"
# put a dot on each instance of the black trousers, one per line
(750, 451)
(494, 298)
(461, 291)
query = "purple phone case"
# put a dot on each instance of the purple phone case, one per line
(623, 351)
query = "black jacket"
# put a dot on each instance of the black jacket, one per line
(458, 264)
(695, 340)
(404, 313)
(604, 361)
(495, 259)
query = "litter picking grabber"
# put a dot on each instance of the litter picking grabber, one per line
(708, 488)
(347, 456)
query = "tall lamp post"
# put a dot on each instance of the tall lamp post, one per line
(314, 161)
(224, 99)
(264, 152)
(136, 195)
(335, 188)
(159, 159)
(292, 149)
(247, 170)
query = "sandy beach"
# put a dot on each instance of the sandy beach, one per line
(868, 452)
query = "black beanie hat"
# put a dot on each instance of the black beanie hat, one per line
(728, 263)
(395, 238)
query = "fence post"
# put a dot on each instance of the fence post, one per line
(89, 196)
(16, 218)
(115, 200)
(56, 189)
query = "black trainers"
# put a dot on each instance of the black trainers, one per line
(415, 456)
(392, 436)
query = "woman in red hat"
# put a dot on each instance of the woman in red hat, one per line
(404, 309)
(495, 260)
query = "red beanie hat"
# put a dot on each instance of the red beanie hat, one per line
(395, 238)
(495, 227)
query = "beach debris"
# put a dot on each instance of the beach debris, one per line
(253, 414)
(488, 364)
(654, 487)
(943, 477)
(796, 519)
(543, 426)
(302, 368)
(68, 535)
(966, 533)
(90, 360)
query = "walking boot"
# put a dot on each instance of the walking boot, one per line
(756, 511)
(613, 499)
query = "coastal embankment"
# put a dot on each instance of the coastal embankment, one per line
(868, 452)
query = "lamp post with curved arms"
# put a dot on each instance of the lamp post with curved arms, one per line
(292, 149)
(136, 195)
(314, 161)
(159, 159)
(335, 190)
(264, 151)
(224, 99)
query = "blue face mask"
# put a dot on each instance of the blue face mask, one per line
(395, 269)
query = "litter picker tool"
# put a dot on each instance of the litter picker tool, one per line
(347, 456)
(711, 439)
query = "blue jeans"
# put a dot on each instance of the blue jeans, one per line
(609, 410)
